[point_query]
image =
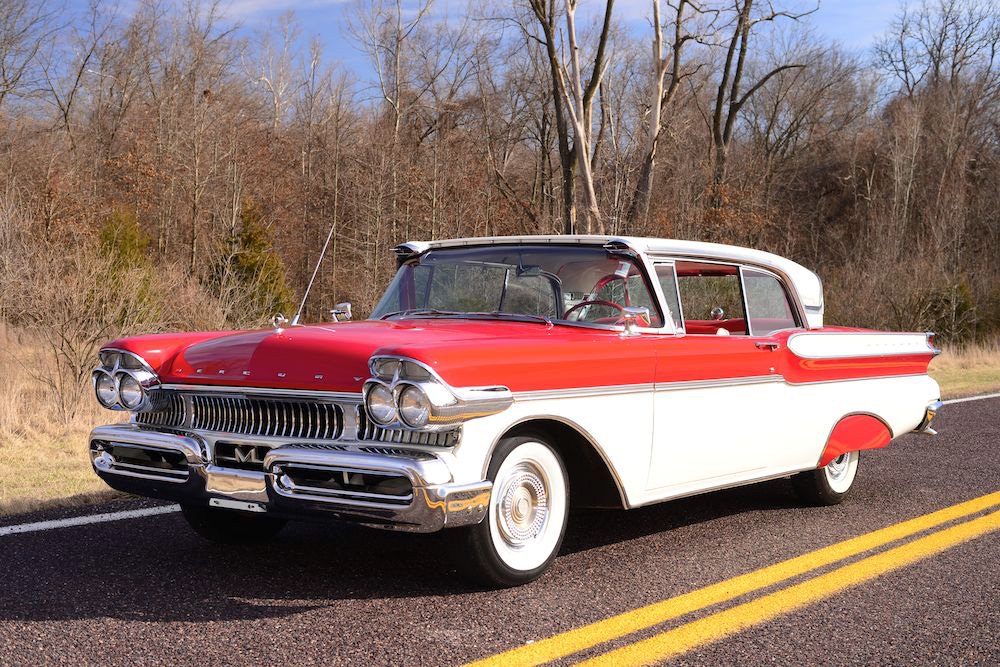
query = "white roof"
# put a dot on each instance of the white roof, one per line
(806, 283)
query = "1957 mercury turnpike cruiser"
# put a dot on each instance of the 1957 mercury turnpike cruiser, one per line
(501, 381)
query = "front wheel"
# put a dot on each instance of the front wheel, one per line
(523, 530)
(830, 484)
(230, 526)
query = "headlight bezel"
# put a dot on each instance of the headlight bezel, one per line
(122, 366)
(448, 406)
(371, 388)
(133, 384)
(98, 376)
(405, 391)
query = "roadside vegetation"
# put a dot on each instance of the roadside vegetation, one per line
(166, 168)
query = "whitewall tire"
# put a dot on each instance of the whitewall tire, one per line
(830, 484)
(524, 527)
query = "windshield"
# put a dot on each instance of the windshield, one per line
(557, 283)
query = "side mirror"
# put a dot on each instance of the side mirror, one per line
(718, 314)
(632, 315)
(341, 312)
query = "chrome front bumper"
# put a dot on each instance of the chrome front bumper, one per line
(411, 491)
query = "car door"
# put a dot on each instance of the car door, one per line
(719, 392)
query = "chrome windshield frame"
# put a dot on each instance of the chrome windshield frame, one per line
(408, 252)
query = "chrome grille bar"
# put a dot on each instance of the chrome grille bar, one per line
(248, 416)
(263, 416)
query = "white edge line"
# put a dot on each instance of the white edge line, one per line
(85, 520)
(971, 398)
(168, 509)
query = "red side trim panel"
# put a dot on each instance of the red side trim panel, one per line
(854, 433)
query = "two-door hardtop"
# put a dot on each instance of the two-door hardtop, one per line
(501, 381)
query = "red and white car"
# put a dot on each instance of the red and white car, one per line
(501, 381)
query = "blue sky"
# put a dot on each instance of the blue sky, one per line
(852, 23)
(855, 24)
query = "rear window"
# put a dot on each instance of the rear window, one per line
(767, 302)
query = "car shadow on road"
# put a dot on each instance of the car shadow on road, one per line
(157, 570)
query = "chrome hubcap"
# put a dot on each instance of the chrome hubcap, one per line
(837, 469)
(523, 505)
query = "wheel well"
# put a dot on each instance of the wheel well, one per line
(591, 483)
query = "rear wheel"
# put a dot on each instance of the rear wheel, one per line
(830, 484)
(230, 526)
(524, 528)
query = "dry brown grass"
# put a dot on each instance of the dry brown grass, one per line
(44, 462)
(968, 370)
(43, 459)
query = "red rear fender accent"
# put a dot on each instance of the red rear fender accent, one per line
(854, 433)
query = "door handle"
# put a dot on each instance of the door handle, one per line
(763, 345)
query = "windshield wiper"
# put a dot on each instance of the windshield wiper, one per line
(496, 314)
(422, 312)
(524, 317)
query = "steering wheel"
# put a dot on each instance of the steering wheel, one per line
(594, 302)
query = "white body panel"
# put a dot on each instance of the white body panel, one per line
(701, 441)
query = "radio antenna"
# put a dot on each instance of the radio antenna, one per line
(322, 254)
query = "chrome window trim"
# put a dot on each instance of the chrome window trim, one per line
(785, 280)
(408, 251)
(678, 323)
(784, 286)
(746, 304)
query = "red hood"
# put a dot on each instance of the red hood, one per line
(334, 357)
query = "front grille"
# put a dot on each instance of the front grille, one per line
(249, 416)
(168, 410)
(369, 431)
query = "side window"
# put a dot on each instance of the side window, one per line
(767, 302)
(711, 298)
(668, 284)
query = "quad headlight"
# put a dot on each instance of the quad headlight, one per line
(380, 403)
(414, 406)
(130, 392)
(123, 381)
(106, 389)
(404, 393)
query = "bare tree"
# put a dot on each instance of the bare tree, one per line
(662, 92)
(273, 72)
(574, 105)
(26, 26)
(731, 96)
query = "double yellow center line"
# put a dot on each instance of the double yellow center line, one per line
(721, 624)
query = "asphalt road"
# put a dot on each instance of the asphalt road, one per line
(148, 591)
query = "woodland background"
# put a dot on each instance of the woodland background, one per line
(162, 169)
